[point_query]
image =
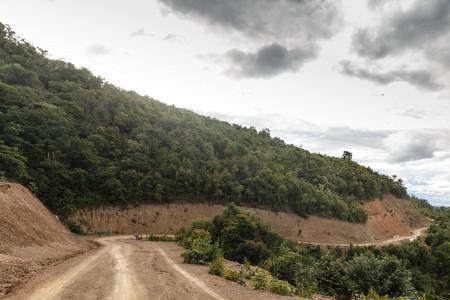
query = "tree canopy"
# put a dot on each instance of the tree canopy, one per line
(78, 141)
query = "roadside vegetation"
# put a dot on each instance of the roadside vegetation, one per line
(419, 269)
(77, 141)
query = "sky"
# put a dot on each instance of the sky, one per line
(368, 76)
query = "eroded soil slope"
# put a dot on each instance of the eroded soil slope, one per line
(387, 218)
(30, 236)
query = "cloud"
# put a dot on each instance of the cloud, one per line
(312, 135)
(375, 4)
(264, 18)
(98, 50)
(412, 113)
(298, 25)
(266, 62)
(140, 32)
(420, 78)
(440, 51)
(415, 145)
(170, 37)
(423, 23)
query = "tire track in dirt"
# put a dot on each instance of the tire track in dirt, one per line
(52, 290)
(199, 283)
(126, 286)
(70, 283)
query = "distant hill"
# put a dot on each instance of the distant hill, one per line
(78, 141)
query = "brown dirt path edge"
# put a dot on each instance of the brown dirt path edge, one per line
(126, 269)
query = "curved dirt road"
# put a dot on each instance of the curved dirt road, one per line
(106, 274)
(126, 269)
(394, 240)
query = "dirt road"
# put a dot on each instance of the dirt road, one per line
(125, 269)
(394, 240)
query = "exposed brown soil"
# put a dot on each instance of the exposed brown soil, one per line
(30, 237)
(125, 269)
(387, 218)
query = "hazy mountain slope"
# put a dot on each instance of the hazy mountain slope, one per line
(78, 141)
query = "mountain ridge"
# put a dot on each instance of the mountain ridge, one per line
(77, 141)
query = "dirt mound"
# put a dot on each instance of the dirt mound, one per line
(387, 218)
(392, 217)
(30, 236)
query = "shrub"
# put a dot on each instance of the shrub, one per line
(281, 287)
(306, 281)
(205, 225)
(75, 228)
(217, 267)
(386, 275)
(233, 275)
(261, 279)
(243, 236)
(371, 295)
(198, 237)
(246, 270)
(161, 238)
(199, 249)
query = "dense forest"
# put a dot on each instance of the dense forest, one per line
(76, 141)
(416, 270)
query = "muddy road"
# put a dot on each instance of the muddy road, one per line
(126, 269)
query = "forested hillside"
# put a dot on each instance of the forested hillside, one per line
(78, 141)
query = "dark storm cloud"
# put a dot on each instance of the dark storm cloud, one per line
(268, 61)
(98, 50)
(269, 18)
(298, 25)
(425, 22)
(420, 78)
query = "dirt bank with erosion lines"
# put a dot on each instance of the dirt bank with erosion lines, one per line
(37, 249)
(30, 237)
(138, 270)
(388, 218)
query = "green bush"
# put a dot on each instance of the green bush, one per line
(243, 236)
(199, 249)
(217, 267)
(281, 287)
(261, 279)
(233, 275)
(373, 295)
(246, 270)
(306, 281)
(161, 238)
(386, 275)
(74, 228)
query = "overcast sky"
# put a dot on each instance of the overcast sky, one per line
(369, 76)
